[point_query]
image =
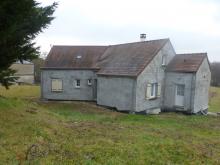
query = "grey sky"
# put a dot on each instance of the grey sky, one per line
(192, 25)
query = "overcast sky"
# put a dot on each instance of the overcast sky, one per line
(191, 25)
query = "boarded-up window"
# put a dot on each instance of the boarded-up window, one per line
(56, 85)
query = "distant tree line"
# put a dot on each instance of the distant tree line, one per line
(38, 63)
(215, 70)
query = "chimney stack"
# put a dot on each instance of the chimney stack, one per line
(143, 37)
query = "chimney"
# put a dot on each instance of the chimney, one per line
(142, 37)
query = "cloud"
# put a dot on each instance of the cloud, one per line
(108, 22)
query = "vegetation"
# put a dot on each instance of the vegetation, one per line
(38, 63)
(215, 69)
(32, 132)
(20, 22)
(214, 102)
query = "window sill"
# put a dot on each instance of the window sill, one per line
(57, 91)
(77, 87)
(152, 98)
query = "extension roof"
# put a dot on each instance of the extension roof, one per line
(120, 60)
(186, 63)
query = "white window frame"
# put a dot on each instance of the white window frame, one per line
(89, 82)
(76, 83)
(55, 86)
(153, 93)
(180, 90)
(153, 90)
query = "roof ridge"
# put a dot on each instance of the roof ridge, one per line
(80, 45)
(192, 53)
(141, 41)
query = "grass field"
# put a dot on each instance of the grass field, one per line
(214, 102)
(32, 132)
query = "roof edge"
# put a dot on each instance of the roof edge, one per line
(66, 68)
(154, 55)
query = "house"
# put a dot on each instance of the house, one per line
(24, 72)
(146, 76)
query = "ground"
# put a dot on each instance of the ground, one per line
(32, 132)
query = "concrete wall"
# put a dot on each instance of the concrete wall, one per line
(187, 79)
(117, 92)
(70, 92)
(153, 73)
(203, 78)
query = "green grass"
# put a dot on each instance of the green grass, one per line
(83, 133)
(214, 102)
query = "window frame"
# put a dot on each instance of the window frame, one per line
(56, 90)
(152, 91)
(76, 83)
(180, 90)
(89, 82)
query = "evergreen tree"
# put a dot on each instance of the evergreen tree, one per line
(20, 22)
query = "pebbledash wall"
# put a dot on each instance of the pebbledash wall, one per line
(196, 91)
(117, 92)
(70, 92)
(171, 80)
(203, 78)
(153, 73)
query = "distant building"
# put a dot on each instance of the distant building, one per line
(146, 76)
(25, 72)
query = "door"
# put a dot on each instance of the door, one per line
(180, 91)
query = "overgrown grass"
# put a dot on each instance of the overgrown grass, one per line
(83, 133)
(214, 102)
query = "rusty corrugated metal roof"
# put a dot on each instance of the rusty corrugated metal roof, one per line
(74, 57)
(129, 59)
(187, 63)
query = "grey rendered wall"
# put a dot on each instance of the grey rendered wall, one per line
(117, 92)
(70, 92)
(188, 79)
(153, 73)
(203, 78)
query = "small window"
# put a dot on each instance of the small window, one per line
(163, 60)
(89, 82)
(153, 90)
(77, 85)
(180, 90)
(79, 56)
(56, 85)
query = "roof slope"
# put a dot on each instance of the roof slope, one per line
(129, 59)
(78, 57)
(187, 63)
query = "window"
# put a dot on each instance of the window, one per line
(89, 82)
(180, 90)
(153, 90)
(77, 85)
(56, 85)
(163, 60)
(79, 56)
